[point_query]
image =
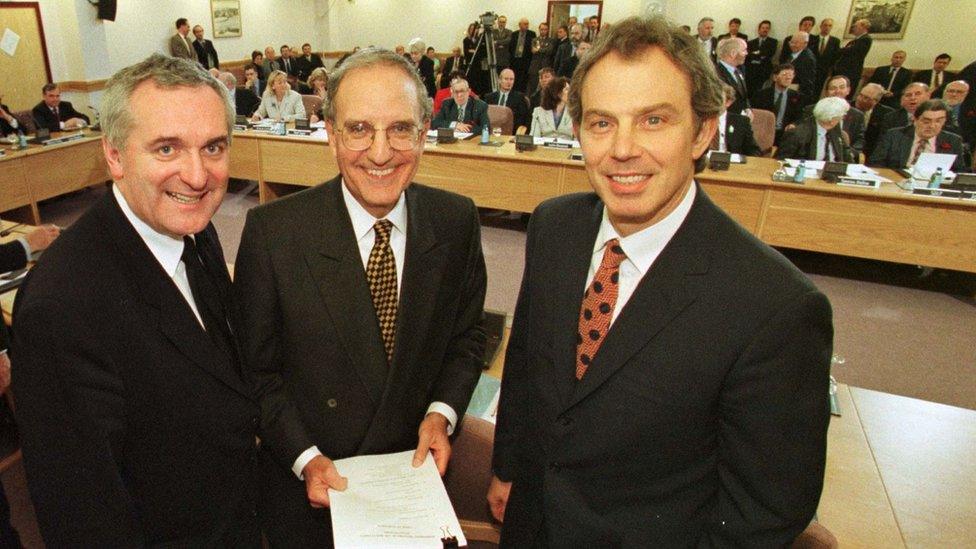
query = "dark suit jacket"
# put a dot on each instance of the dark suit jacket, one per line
(13, 256)
(883, 74)
(742, 95)
(925, 76)
(874, 127)
(801, 143)
(306, 66)
(518, 103)
(897, 118)
(738, 135)
(825, 61)
(425, 68)
(766, 97)
(204, 52)
(448, 67)
(136, 429)
(245, 101)
(564, 56)
(759, 62)
(5, 127)
(313, 344)
(896, 145)
(740, 35)
(853, 125)
(967, 120)
(44, 118)
(850, 59)
(701, 421)
(805, 67)
(526, 59)
(476, 114)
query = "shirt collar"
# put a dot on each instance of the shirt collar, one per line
(644, 246)
(821, 131)
(728, 67)
(166, 249)
(363, 221)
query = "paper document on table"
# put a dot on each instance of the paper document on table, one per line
(389, 503)
(929, 162)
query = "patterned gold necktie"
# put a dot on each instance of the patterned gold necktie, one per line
(599, 302)
(382, 277)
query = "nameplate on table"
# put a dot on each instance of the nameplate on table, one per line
(64, 139)
(859, 182)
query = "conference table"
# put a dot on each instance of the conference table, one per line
(887, 223)
(40, 172)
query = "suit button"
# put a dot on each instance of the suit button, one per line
(332, 403)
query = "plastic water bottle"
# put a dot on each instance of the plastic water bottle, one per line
(801, 172)
(936, 181)
(22, 141)
(484, 135)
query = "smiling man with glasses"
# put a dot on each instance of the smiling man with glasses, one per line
(362, 303)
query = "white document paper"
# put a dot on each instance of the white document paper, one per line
(389, 503)
(929, 162)
(9, 42)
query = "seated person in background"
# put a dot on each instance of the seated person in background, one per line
(900, 147)
(461, 111)
(962, 111)
(252, 79)
(307, 63)
(57, 115)
(734, 133)
(545, 75)
(257, 59)
(551, 118)
(432, 55)
(853, 122)
(868, 100)
(819, 137)
(8, 124)
(912, 96)
(444, 93)
(270, 63)
(508, 97)
(780, 99)
(280, 102)
(454, 63)
(243, 99)
(15, 254)
(318, 85)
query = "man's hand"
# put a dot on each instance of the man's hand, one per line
(498, 492)
(4, 372)
(42, 237)
(74, 123)
(433, 437)
(320, 475)
(462, 127)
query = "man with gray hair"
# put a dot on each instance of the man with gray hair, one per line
(819, 137)
(901, 147)
(731, 55)
(868, 100)
(417, 49)
(705, 37)
(138, 428)
(243, 99)
(850, 58)
(804, 66)
(362, 301)
(665, 380)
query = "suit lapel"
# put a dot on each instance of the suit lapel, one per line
(670, 286)
(154, 288)
(905, 145)
(337, 267)
(568, 291)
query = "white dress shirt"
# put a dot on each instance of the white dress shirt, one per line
(167, 250)
(362, 227)
(722, 120)
(642, 249)
(822, 145)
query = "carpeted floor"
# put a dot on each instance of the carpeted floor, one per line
(896, 332)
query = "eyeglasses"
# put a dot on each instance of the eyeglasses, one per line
(359, 137)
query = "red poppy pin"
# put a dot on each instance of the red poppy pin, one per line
(971, 114)
(945, 146)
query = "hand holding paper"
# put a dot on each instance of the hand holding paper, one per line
(433, 437)
(321, 475)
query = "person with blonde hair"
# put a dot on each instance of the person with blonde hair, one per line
(279, 101)
(318, 85)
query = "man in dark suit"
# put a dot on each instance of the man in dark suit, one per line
(900, 147)
(804, 65)
(968, 73)
(567, 56)
(962, 110)
(137, 426)
(893, 78)
(850, 58)
(914, 94)
(664, 380)
(731, 55)
(734, 25)
(307, 63)
(508, 97)
(57, 115)
(734, 132)
(206, 54)
(805, 25)
(453, 63)
(868, 101)
(819, 137)
(520, 50)
(853, 122)
(781, 100)
(937, 77)
(243, 99)
(287, 63)
(461, 111)
(825, 48)
(705, 38)
(759, 62)
(362, 300)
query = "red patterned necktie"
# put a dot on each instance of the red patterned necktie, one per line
(922, 145)
(382, 277)
(599, 301)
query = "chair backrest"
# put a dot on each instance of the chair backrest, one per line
(25, 119)
(312, 104)
(501, 117)
(764, 129)
(469, 475)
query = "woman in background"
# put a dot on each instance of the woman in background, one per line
(279, 101)
(551, 118)
(318, 85)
